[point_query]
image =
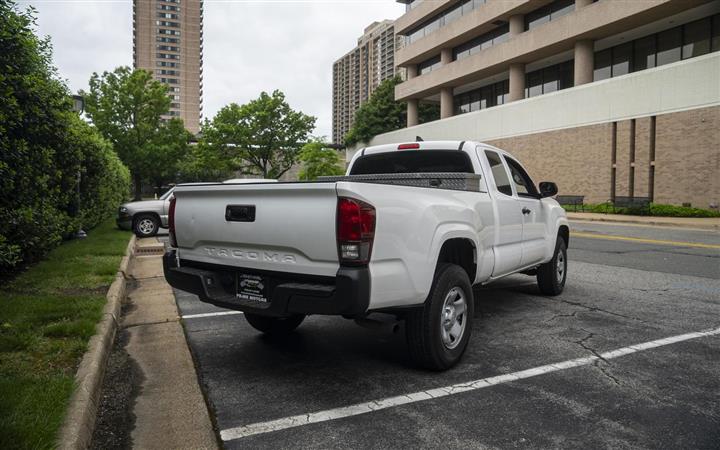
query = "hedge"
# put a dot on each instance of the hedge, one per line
(44, 145)
(656, 209)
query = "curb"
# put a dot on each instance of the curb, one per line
(652, 222)
(77, 429)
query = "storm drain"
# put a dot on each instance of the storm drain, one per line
(150, 250)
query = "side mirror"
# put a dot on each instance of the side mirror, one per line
(548, 189)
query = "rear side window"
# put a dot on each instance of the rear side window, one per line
(502, 182)
(413, 161)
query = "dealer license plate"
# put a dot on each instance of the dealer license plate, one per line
(251, 287)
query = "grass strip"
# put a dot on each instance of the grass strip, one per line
(47, 316)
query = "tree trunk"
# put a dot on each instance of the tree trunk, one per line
(137, 181)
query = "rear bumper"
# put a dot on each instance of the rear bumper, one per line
(347, 294)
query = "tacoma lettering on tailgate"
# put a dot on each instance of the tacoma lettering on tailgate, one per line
(251, 255)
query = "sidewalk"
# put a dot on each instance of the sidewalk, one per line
(701, 223)
(170, 411)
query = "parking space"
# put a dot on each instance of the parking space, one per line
(360, 389)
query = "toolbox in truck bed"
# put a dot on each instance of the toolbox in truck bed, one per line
(439, 180)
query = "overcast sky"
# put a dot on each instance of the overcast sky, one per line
(250, 46)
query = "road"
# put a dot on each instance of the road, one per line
(627, 285)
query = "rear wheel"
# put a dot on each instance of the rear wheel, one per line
(551, 276)
(438, 333)
(146, 225)
(276, 326)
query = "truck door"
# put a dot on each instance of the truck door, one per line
(533, 213)
(508, 232)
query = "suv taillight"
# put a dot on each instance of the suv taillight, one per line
(171, 222)
(355, 231)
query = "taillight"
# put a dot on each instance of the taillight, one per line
(355, 231)
(171, 222)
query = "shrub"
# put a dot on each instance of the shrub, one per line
(681, 211)
(43, 147)
(104, 179)
(656, 209)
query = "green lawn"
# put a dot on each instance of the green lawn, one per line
(47, 316)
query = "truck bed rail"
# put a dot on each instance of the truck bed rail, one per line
(437, 180)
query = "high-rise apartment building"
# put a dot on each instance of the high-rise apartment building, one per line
(168, 41)
(359, 72)
(609, 98)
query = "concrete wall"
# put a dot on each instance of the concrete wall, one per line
(596, 21)
(567, 136)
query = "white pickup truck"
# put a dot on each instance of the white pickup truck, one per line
(408, 231)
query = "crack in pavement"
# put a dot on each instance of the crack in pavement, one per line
(600, 358)
(557, 316)
(596, 309)
(159, 322)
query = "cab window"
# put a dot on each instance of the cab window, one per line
(502, 182)
(413, 161)
(523, 184)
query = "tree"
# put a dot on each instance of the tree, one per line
(262, 137)
(127, 107)
(319, 160)
(168, 153)
(382, 113)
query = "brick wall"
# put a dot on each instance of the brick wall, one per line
(577, 159)
(687, 157)
(686, 146)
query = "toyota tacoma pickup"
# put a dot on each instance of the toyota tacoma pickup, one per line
(407, 231)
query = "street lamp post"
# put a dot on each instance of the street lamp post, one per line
(78, 107)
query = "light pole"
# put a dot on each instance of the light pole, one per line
(78, 107)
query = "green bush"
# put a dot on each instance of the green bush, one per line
(104, 179)
(681, 211)
(43, 147)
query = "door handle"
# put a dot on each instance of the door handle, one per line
(526, 211)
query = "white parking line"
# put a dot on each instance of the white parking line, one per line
(223, 313)
(376, 405)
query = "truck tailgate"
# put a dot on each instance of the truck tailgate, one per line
(293, 228)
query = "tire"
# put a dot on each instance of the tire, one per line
(146, 225)
(274, 326)
(430, 343)
(551, 276)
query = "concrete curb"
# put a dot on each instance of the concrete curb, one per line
(77, 429)
(655, 221)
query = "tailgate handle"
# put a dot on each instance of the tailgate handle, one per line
(240, 213)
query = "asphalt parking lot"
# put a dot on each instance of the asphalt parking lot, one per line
(540, 372)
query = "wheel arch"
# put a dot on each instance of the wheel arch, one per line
(140, 214)
(461, 251)
(564, 233)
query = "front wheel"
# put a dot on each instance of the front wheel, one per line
(438, 333)
(146, 226)
(551, 276)
(276, 326)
